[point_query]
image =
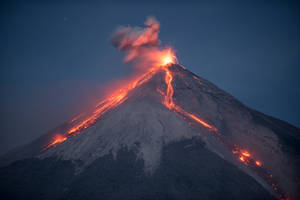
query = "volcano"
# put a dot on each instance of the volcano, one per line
(165, 133)
(171, 135)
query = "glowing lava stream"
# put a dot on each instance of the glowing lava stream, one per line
(163, 59)
(243, 155)
(113, 101)
(58, 139)
(120, 96)
(169, 103)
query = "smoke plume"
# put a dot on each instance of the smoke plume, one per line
(141, 45)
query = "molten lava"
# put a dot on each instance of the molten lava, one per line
(113, 101)
(57, 139)
(258, 163)
(168, 58)
(164, 58)
(242, 158)
(195, 118)
(245, 153)
(169, 102)
(163, 61)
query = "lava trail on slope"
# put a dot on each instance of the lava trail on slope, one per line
(120, 96)
(243, 155)
(142, 47)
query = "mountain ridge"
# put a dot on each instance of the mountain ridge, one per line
(152, 116)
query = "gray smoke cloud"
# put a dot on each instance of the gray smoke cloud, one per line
(142, 45)
(136, 41)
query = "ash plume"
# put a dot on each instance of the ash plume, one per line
(141, 45)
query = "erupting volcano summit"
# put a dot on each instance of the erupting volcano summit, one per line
(165, 134)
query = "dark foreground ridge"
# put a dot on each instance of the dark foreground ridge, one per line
(187, 171)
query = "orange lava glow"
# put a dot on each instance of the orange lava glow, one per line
(242, 158)
(245, 153)
(195, 118)
(75, 118)
(246, 157)
(258, 163)
(57, 139)
(242, 153)
(169, 102)
(118, 97)
(113, 101)
(162, 57)
(163, 60)
(167, 59)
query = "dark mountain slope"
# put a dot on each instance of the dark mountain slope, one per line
(187, 171)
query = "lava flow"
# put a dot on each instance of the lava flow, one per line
(57, 139)
(169, 103)
(243, 155)
(163, 58)
(118, 97)
(142, 47)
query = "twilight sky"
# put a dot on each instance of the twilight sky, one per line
(55, 58)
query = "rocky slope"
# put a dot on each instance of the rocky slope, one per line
(142, 149)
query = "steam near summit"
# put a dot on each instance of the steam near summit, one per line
(127, 38)
(164, 134)
(142, 45)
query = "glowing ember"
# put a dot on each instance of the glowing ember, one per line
(242, 158)
(258, 163)
(246, 153)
